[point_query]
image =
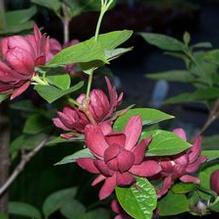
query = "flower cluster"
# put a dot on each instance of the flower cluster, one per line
(19, 55)
(182, 166)
(99, 109)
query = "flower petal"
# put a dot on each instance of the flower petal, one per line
(88, 164)
(195, 151)
(116, 138)
(124, 179)
(167, 183)
(132, 131)
(190, 179)
(95, 140)
(147, 169)
(20, 90)
(181, 133)
(98, 179)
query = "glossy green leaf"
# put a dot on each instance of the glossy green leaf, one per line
(165, 143)
(51, 94)
(62, 81)
(182, 188)
(56, 200)
(73, 209)
(73, 157)
(139, 200)
(211, 154)
(54, 5)
(35, 124)
(24, 210)
(163, 42)
(90, 50)
(196, 96)
(149, 117)
(173, 204)
(173, 75)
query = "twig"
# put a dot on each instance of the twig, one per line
(20, 167)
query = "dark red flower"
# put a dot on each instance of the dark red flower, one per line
(182, 166)
(100, 107)
(215, 181)
(118, 156)
(19, 56)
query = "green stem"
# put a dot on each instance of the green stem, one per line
(90, 79)
(102, 12)
(73, 102)
(39, 81)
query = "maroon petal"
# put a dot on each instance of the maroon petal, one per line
(132, 131)
(147, 169)
(111, 152)
(124, 179)
(117, 138)
(139, 150)
(88, 164)
(103, 168)
(98, 179)
(167, 183)
(106, 127)
(195, 151)
(125, 160)
(95, 140)
(190, 179)
(58, 123)
(193, 167)
(108, 187)
(20, 90)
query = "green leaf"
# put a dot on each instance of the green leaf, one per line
(24, 209)
(98, 213)
(3, 97)
(197, 96)
(139, 200)
(18, 17)
(23, 105)
(202, 45)
(51, 94)
(27, 142)
(182, 188)
(149, 117)
(211, 142)
(165, 143)
(35, 124)
(115, 53)
(73, 209)
(56, 200)
(215, 207)
(73, 157)
(174, 75)
(163, 42)
(62, 81)
(90, 50)
(211, 154)
(213, 56)
(173, 204)
(54, 5)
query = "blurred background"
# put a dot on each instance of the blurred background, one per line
(172, 17)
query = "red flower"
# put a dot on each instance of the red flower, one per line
(100, 107)
(118, 156)
(19, 56)
(182, 166)
(215, 181)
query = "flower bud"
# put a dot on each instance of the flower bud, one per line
(215, 181)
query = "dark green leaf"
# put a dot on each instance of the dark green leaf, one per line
(98, 213)
(24, 210)
(173, 204)
(211, 154)
(196, 96)
(23, 105)
(52, 94)
(211, 142)
(163, 42)
(36, 124)
(165, 143)
(3, 97)
(56, 200)
(182, 188)
(54, 5)
(213, 56)
(73, 209)
(148, 116)
(73, 157)
(139, 200)
(202, 45)
(174, 75)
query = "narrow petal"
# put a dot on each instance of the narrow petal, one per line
(139, 150)
(167, 183)
(190, 179)
(88, 164)
(132, 131)
(147, 169)
(95, 140)
(181, 133)
(195, 151)
(107, 188)
(103, 168)
(58, 123)
(20, 90)
(98, 179)
(193, 167)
